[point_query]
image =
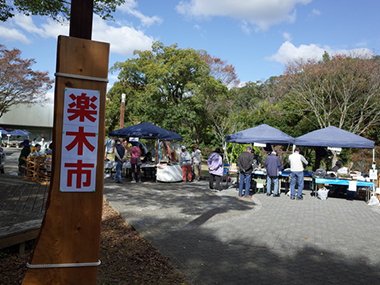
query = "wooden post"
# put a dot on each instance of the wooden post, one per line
(70, 233)
(122, 110)
(81, 18)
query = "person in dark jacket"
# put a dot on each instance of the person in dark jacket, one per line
(273, 166)
(245, 164)
(22, 158)
(119, 159)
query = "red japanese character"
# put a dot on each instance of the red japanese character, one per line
(82, 107)
(79, 171)
(80, 140)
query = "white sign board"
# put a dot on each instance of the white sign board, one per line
(79, 140)
(337, 149)
(260, 144)
(373, 174)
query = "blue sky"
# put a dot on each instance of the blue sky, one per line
(258, 37)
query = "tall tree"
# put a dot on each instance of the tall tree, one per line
(18, 82)
(56, 9)
(168, 86)
(341, 91)
(220, 70)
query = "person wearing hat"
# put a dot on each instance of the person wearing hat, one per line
(215, 169)
(273, 166)
(25, 151)
(185, 162)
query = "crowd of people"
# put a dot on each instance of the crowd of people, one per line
(31, 150)
(190, 162)
(132, 152)
(191, 166)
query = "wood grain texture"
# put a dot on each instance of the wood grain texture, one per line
(70, 230)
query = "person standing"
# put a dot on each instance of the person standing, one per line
(273, 166)
(119, 159)
(296, 161)
(135, 163)
(196, 157)
(26, 150)
(185, 162)
(245, 163)
(215, 169)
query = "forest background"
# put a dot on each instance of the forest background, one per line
(200, 97)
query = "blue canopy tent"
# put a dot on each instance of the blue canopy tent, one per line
(146, 130)
(19, 133)
(333, 137)
(260, 134)
(3, 132)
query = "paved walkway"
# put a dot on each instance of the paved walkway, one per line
(215, 238)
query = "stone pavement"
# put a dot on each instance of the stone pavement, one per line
(215, 238)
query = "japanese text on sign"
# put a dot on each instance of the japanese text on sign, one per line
(79, 140)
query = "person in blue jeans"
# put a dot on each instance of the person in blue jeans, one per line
(296, 175)
(273, 166)
(119, 159)
(245, 164)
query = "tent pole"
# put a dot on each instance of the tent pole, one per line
(157, 151)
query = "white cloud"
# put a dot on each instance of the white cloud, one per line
(288, 52)
(48, 29)
(52, 29)
(130, 6)
(13, 35)
(245, 27)
(123, 39)
(26, 23)
(261, 13)
(287, 36)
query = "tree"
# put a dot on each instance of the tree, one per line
(18, 82)
(56, 9)
(220, 70)
(170, 87)
(341, 91)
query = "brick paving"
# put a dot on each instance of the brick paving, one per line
(215, 238)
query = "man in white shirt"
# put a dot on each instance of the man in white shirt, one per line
(196, 157)
(296, 167)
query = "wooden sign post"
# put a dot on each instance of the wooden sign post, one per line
(67, 249)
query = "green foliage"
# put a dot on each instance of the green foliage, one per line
(339, 91)
(175, 88)
(55, 9)
(171, 87)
